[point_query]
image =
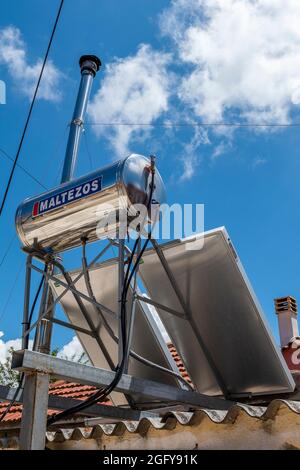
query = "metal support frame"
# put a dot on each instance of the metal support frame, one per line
(65, 324)
(131, 314)
(36, 378)
(34, 415)
(68, 286)
(120, 293)
(149, 301)
(25, 321)
(31, 361)
(128, 385)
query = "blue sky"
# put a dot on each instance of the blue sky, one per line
(201, 61)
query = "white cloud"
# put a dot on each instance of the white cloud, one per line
(220, 149)
(24, 75)
(72, 351)
(242, 56)
(6, 346)
(258, 161)
(191, 154)
(135, 89)
(236, 60)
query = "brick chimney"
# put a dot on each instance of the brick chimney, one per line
(286, 310)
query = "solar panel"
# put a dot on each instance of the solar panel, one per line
(223, 340)
(147, 339)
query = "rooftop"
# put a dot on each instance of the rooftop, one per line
(275, 426)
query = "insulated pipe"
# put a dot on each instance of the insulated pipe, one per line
(89, 66)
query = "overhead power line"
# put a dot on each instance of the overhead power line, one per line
(23, 169)
(30, 109)
(189, 124)
(11, 292)
(8, 249)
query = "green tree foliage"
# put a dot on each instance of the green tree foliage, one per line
(7, 375)
(11, 377)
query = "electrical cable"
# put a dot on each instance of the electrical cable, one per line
(8, 249)
(191, 124)
(11, 291)
(88, 149)
(36, 298)
(30, 109)
(23, 169)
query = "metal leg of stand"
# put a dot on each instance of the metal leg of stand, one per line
(44, 314)
(120, 290)
(25, 339)
(132, 313)
(34, 415)
(38, 331)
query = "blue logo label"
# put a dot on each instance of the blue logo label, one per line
(66, 197)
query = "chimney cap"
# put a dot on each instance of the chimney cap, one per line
(284, 304)
(92, 63)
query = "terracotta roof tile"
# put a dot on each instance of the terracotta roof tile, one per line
(60, 388)
(179, 363)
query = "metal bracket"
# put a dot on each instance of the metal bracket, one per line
(31, 361)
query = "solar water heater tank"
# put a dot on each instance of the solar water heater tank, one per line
(59, 218)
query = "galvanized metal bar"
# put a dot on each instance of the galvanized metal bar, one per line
(88, 319)
(31, 361)
(170, 276)
(44, 331)
(162, 343)
(55, 301)
(34, 414)
(43, 301)
(90, 265)
(25, 322)
(46, 326)
(85, 313)
(189, 316)
(159, 337)
(8, 393)
(147, 300)
(132, 312)
(74, 291)
(71, 327)
(120, 294)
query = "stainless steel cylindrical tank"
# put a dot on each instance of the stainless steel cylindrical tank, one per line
(59, 218)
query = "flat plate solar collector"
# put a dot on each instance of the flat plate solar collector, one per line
(224, 318)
